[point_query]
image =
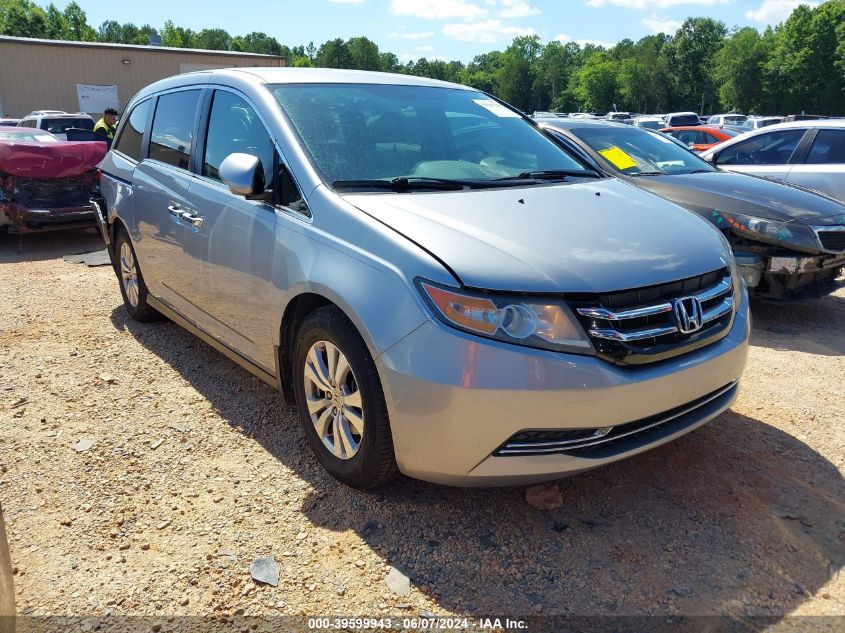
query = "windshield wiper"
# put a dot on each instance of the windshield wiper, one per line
(405, 183)
(648, 173)
(558, 174)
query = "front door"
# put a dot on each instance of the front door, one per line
(230, 254)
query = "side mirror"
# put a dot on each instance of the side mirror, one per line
(244, 175)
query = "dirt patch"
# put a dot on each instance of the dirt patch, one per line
(197, 469)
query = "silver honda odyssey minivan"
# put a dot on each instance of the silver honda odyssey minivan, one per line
(439, 289)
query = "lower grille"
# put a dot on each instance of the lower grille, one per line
(609, 440)
(832, 239)
(647, 324)
(49, 193)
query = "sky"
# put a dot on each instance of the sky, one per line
(440, 29)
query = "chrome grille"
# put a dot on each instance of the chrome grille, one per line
(609, 440)
(647, 325)
(831, 238)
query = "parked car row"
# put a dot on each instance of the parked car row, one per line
(784, 237)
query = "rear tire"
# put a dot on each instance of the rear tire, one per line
(132, 285)
(340, 401)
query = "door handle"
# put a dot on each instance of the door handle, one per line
(176, 211)
(196, 220)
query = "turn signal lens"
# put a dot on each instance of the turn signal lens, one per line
(470, 312)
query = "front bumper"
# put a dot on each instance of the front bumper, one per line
(26, 220)
(454, 399)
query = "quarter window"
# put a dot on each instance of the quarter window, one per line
(129, 142)
(774, 148)
(829, 147)
(173, 128)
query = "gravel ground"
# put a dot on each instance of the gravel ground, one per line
(198, 469)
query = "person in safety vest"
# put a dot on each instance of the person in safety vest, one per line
(105, 127)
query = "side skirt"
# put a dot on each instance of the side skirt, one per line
(224, 349)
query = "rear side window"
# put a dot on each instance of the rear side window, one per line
(774, 148)
(173, 128)
(829, 147)
(684, 119)
(129, 142)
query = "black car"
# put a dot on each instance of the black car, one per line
(785, 238)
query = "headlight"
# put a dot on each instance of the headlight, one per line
(530, 322)
(786, 234)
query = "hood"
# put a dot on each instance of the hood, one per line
(742, 193)
(589, 236)
(50, 160)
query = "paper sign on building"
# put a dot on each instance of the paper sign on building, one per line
(95, 99)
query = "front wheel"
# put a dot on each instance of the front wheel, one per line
(341, 403)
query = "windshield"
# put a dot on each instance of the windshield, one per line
(60, 126)
(632, 151)
(28, 136)
(357, 132)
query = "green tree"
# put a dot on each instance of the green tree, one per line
(21, 18)
(798, 73)
(57, 27)
(555, 66)
(515, 78)
(364, 54)
(738, 71)
(633, 80)
(212, 39)
(257, 42)
(692, 55)
(176, 36)
(333, 54)
(77, 24)
(597, 84)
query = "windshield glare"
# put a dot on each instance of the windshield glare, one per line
(382, 132)
(633, 151)
(28, 137)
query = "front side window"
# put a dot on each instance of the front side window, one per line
(634, 152)
(828, 148)
(129, 141)
(234, 127)
(383, 132)
(774, 148)
(173, 128)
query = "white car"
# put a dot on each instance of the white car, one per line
(806, 153)
(757, 122)
(651, 122)
(675, 119)
(727, 119)
(57, 122)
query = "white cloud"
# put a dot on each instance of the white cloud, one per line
(775, 11)
(347, 1)
(563, 37)
(413, 36)
(424, 49)
(651, 4)
(488, 31)
(517, 9)
(661, 24)
(437, 9)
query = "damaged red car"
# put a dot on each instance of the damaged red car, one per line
(46, 183)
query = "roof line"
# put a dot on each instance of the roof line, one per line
(143, 47)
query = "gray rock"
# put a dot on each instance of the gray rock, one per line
(398, 582)
(84, 445)
(265, 570)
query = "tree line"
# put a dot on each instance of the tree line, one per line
(797, 66)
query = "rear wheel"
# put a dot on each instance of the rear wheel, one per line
(341, 403)
(132, 285)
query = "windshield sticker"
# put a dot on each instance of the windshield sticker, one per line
(496, 108)
(618, 158)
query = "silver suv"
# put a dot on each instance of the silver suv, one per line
(440, 289)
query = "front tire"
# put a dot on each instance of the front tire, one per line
(341, 403)
(132, 285)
